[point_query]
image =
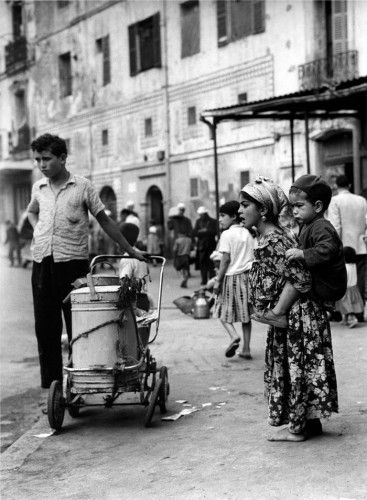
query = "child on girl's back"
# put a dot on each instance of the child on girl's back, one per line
(352, 303)
(320, 248)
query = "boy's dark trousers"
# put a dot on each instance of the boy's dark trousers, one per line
(51, 283)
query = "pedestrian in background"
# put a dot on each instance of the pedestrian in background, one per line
(351, 304)
(347, 213)
(13, 242)
(181, 256)
(300, 378)
(236, 247)
(58, 211)
(205, 232)
(154, 245)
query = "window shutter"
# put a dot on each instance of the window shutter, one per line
(340, 26)
(241, 19)
(222, 22)
(106, 60)
(157, 40)
(132, 49)
(259, 16)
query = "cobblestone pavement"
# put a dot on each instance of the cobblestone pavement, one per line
(220, 451)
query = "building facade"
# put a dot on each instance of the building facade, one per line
(125, 82)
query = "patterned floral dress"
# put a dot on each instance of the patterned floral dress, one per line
(300, 380)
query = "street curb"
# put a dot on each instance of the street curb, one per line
(14, 456)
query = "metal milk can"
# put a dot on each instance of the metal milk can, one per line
(99, 337)
(201, 306)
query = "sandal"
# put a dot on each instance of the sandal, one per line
(232, 348)
(269, 318)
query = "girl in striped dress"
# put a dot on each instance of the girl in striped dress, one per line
(236, 247)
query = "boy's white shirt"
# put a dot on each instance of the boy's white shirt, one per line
(133, 268)
(239, 244)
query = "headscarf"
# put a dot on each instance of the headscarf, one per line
(270, 195)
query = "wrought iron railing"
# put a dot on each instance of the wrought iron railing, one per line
(340, 68)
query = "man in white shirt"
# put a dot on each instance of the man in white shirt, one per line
(347, 212)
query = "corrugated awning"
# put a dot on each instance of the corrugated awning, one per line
(343, 100)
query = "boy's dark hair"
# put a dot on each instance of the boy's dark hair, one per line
(49, 142)
(231, 208)
(316, 189)
(350, 255)
(129, 231)
(342, 181)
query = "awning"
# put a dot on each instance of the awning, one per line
(345, 100)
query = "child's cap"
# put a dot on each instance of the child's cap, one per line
(202, 210)
(316, 187)
(130, 232)
(230, 208)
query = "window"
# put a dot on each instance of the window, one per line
(194, 187)
(104, 137)
(17, 20)
(191, 115)
(239, 18)
(65, 75)
(190, 28)
(145, 45)
(148, 127)
(244, 178)
(103, 53)
(242, 98)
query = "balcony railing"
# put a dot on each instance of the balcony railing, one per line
(342, 67)
(16, 54)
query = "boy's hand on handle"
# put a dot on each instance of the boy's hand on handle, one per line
(294, 254)
(137, 254)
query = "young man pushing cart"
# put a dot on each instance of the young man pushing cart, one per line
(58, 212)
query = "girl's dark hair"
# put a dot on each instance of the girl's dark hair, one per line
(350, 255)
(49, 142)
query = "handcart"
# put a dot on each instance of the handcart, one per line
(110, 348)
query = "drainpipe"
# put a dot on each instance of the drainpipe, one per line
(307, 143)
(166, 105)
(356, 155)
(213, 137)
(292, 147)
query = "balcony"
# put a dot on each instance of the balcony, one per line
(22, 139)
(340, 68)
(16, 55)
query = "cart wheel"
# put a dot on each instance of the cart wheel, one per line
(72, 410)
(55, 405)
(152, 403)
(164, 389)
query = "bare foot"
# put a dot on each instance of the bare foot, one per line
(285, 435)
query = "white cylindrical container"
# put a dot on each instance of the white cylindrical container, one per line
(104, 341)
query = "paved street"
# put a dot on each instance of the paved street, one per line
(219, 452)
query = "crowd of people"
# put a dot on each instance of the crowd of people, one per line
(285, 262)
